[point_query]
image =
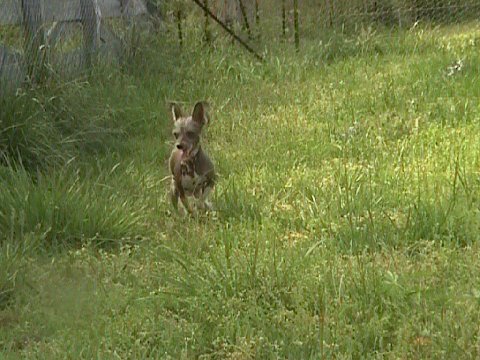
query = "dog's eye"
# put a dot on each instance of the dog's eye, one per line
(190, 134)
(176, 135)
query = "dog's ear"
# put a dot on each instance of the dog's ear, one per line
(177, 111)
(200, 113)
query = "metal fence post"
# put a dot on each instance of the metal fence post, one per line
(208, 34)
(296, 25)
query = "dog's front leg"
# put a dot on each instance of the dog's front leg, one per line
(186, 204)
(174, 194)
(206, 205)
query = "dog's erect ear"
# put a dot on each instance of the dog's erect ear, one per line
(200, 113)
(176, 111)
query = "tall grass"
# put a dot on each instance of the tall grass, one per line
(45, 127)
(64, 208)
(51, 197)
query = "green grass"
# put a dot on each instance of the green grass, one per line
(348, 206)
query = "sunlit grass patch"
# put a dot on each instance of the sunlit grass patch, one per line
(62, 210)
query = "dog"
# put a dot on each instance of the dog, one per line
(193, 173)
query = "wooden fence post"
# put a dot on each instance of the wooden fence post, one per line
(155, 11)
(90, 18)
(34, 38)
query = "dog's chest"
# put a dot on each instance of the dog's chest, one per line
(192, 182)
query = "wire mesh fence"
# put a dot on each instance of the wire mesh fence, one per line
(66, 36)
(394, 13)
(262, 22)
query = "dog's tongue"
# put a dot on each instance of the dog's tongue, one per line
(184, 154)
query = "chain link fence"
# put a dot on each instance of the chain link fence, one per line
(393, 13)
(263, 22)
(66, 36)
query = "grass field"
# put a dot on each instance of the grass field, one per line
(348, 205)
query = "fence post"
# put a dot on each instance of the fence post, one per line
(34, 38)
(155, 11)
(296, 25)
(208, 35)
(179, 16)
(331, 10)
(258, 32)
(90, 19)
(246, 23)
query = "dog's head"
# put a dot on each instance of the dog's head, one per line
(187, 129)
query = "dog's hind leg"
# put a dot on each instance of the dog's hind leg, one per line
(186, 204)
